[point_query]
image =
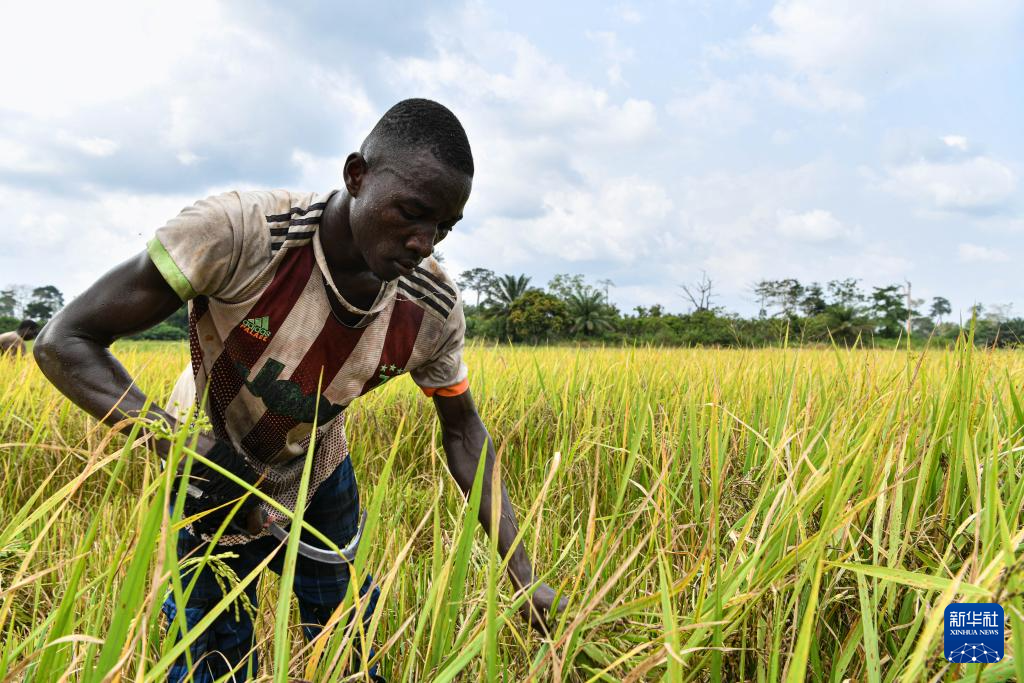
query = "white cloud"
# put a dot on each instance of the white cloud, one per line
(75, 239)
(813, 93)
(729, 103)
(149, 90)
(781, 136)
(734, 270)
(528, 90)
(20, 157)
(317, 171)
(815, 226)
(187, 158)
(1009, 224)
(629, 14)
(839, 50)
(721, 104)
(974, 253)
(683, 169)
(204, 118)
(615, 53)
(94, 146)
(93, 55)
(632, 121)
(620, 220)
(958, 142)
(972, 185)
(741, 227)
(814, 35)
(536, 130)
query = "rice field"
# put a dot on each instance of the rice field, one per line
(736, 515)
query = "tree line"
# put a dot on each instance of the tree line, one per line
(508, 307)
(20, 302)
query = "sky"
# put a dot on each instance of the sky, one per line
(641, 143)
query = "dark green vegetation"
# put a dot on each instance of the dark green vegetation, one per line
(509, 308)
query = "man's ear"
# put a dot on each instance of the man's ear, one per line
(354, 173)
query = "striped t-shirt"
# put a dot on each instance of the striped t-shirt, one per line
(262, 333)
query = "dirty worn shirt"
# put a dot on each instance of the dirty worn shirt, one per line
(263, 336)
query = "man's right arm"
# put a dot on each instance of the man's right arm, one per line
(73, 349)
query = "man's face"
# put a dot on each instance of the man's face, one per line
(401, 207)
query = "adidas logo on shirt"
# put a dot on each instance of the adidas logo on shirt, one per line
(257, 327)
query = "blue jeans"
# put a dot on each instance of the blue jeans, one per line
(319, 587)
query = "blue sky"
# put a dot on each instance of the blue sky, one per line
(640, 142)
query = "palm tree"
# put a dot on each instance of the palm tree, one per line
(503, 292)
(588, 313)
(845, 324)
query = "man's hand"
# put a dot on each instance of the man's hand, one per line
(464, 437)
(217, 491)
(73, 349)
(539, 609)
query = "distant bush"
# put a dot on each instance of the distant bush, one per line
(175, 328)
(162, 332)
(536, 315)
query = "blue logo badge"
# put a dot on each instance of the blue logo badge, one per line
(973, 632)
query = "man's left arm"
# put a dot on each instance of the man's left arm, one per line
(463, 436)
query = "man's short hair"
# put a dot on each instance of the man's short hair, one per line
(420, 123)
(27, 327)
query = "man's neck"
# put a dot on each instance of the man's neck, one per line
(342, 256)
(349, 271)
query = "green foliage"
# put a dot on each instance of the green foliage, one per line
(838, 313)
(563, 285)
(888, 305)
(39, 304)
(588, 313)
(786, 295)
(175, 327)
(8, 303)
(813, 301)
(8, 323)
(845, 292)
(45, 302)
(161, 332)
(922, 325)
(502, 293)
(479, 280)
(837, 322)
(995, 333)
(707, 328)
(536, 316)
(940, 307)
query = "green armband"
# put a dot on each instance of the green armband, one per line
(170, 270)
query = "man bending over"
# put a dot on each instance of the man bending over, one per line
(287, 290)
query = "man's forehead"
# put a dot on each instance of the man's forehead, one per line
(409, 162)
(419, 172)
